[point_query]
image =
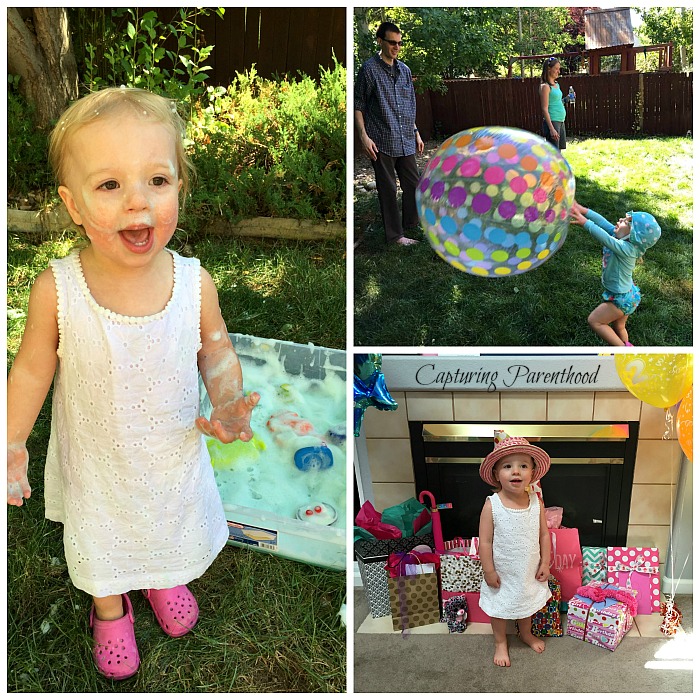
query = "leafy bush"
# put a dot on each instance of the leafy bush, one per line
(271, 148)
(261, 147)
(131, 48)
(27, 165)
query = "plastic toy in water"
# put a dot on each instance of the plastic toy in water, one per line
(289, 419)
(317, 513)
(337, 434)
(287, 393)
(314, 457)
(224, 456)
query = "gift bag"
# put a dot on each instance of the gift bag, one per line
(637, 568)
(375, 582)
(411, 563)
(460, 573)
(414, 601)
(594, 564)
(565, 563)
(546, 622)
(372, 556)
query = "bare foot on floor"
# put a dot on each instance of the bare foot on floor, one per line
(500, 656)
(534, 642)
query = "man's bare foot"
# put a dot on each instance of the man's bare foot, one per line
(535, 643)
(500, 656)
(405, 241)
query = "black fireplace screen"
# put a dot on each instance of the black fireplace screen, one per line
(590, 478)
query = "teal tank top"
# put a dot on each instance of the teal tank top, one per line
(557, 111)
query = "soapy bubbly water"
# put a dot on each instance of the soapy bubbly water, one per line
(261, 474)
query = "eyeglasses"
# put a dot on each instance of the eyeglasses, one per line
(393, 43)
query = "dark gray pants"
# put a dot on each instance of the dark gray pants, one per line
(386, 170)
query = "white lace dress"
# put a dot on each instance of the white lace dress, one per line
(516, 557)
(127, 472)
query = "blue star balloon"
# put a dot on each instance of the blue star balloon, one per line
(369, 388)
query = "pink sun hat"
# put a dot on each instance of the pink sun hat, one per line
(513, 445)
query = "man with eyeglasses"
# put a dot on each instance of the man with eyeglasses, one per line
(385, 117)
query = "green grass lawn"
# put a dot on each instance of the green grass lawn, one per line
(266, 624)
(409, 296)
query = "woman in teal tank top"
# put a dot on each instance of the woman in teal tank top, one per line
(551, 99)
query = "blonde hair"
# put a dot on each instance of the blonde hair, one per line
(113, 101)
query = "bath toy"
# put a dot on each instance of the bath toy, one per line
(495, 201)
(287, 393)
(337, 434)
(317, 513)
(315, 457)
(224, 456)
(289, 419)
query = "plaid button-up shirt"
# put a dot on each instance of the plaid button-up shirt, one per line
(385, 96)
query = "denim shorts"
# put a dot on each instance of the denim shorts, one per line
(626, 302)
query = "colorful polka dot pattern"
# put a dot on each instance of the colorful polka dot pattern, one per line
(495, 201)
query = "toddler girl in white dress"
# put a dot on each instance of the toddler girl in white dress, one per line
(514, 542)
(125, 324)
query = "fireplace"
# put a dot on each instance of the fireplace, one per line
(591, 475)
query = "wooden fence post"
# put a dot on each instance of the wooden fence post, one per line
(640, 103)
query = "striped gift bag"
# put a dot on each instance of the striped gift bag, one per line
(594, 564)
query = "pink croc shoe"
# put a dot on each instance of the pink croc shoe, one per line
(115, 651)
(176, 609)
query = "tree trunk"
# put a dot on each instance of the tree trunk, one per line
(40, 51)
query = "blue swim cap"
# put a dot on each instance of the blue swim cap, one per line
(644, 229)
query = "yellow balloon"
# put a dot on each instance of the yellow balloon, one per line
(659, 380)
(684, 424)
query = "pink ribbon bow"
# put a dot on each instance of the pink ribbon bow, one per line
(598, 595)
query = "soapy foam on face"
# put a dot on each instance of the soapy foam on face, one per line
(263, 475)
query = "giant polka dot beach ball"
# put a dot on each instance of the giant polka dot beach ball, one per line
(495, 201)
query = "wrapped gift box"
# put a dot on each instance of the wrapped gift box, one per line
(637, 568)
(601, 622)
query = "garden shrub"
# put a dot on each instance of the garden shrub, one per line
(261, 147)
(272, 148)
(27, 164)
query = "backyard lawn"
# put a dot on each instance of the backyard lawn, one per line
(266, 624)
(409, 296)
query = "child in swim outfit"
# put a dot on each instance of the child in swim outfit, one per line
(514, 542)
(623, 244)
(125, 324)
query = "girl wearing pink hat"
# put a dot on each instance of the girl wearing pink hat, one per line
(513, 542)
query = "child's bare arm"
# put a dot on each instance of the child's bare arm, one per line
(486, 546)
(545, 548)
(29, 381)
(221, 373)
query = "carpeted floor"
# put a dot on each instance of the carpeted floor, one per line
(388, 662)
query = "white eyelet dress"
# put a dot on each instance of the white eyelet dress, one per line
(127, 471)
(516, 557)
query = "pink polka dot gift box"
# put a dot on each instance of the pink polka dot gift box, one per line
(637, 568)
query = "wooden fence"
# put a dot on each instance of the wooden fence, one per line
(639, 103)
(277, 40)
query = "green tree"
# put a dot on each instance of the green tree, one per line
(455, 42)
(663, 24)
(40, 52)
